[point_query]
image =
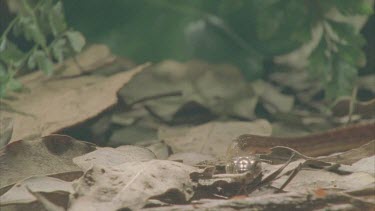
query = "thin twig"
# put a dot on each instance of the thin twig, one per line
(352, 104)
(294, 173)
(158, 96)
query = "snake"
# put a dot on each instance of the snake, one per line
(243, 152)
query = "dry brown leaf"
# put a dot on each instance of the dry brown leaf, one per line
(132, 135)
(279, 201)
(93, 57)
(198, 82)
(52, 105)
(46, 203)
(50, 155)
(366, 165)
(191, 158)
(308, 179)
(131, 184)
(18, 194)
(107, 156)
(160, 149)
(214, 138)
(351, 156)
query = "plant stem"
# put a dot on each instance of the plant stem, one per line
(10, 26)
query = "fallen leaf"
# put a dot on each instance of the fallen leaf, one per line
(191, 158)
(280, 154)
(47, 204)
(279, 201)
(131, 135)
(353, 155)
(19, 194)
(160, 149)
(309, 180)
(214, 138)
(320, 193)
(198, 83)
(90, 59)
(131, 184)
(49, 155)
(366, 193)
(53, 105)
(107, 156)
(366, 165)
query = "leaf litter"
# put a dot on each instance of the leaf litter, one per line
(131, 184)
(51, 105)
(46, 156)
(129, 177)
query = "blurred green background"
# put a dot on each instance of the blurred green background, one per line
(246, 33)
(153, 30)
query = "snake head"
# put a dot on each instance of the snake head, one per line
(241, 164)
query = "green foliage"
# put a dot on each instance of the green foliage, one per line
(339, 55)
(247, 33)
(41, 25)
(244, 32)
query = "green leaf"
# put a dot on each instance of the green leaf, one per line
(56, 19)
(3, 89)
(343, 79)
(58, 49)
(276, 23)
(353, 55)
(32, 31)
(365, 9)
(350, 7)
(347, 32)
(76, 40)
(31, 62)
(41, 16)
(3, 44)
(319, 62)
(4, 78)
(18, 29)
(3, 72)
(269, 19)
(43, 62)
(11, 54)
(14, 85)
